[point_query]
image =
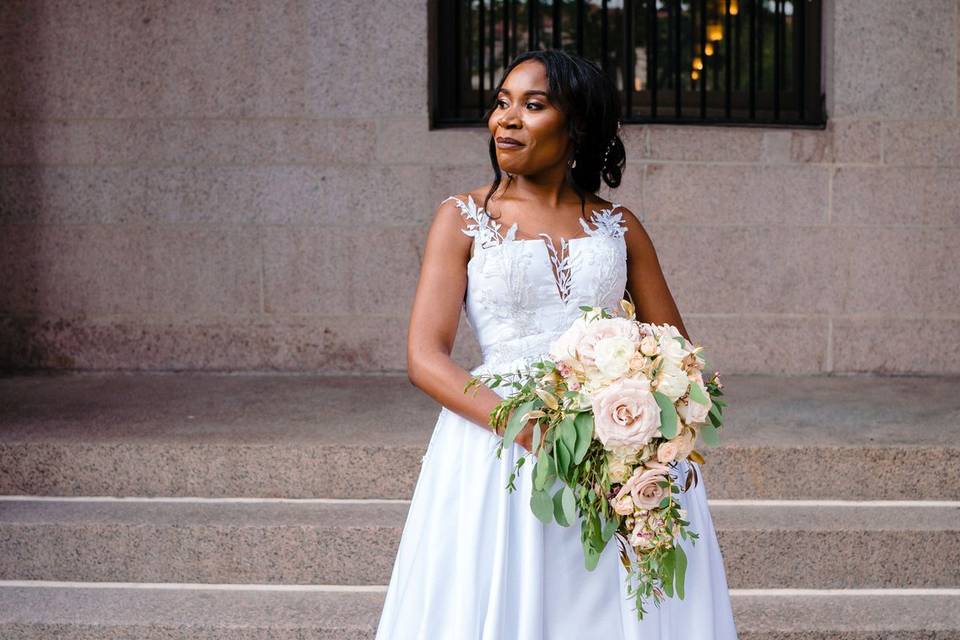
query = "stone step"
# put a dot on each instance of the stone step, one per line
(319, 436)
(355, 544)
(40, 613)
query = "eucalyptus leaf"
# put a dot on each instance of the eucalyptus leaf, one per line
(558, 508)
(542, 506)
(668, 415)
(541, 471)
(709, 433)
(584, 427)
(609, 529)
(563, 460)
(668, 571)
(697, 395)
(569, 504)
(516, 422)
(568, 433)
(714, 418)
(681, 570)
(590, 558)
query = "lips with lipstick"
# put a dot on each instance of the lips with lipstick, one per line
(506, 142)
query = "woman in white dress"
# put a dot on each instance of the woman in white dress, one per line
(474, 563)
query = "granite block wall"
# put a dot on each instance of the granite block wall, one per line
(202, 184)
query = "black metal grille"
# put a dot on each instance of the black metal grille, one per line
(736, 62)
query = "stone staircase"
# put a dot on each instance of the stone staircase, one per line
(192, 505)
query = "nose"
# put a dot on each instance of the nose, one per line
(509, 121)
(509, 118)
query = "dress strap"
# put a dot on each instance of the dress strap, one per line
(484, 230)
(606, 222)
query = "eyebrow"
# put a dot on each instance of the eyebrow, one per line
(526, 93)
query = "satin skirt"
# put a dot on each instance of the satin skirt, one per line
(474, 563)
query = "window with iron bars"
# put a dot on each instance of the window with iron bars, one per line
(717, 62)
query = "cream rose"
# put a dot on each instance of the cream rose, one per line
(626, 413)
(672, 381)
(623, 505)
(620, 463)
(670, 348)
(694, 412)
(667, 451)
(613, 356)
(599, 330)
(685, 441)
(649, 346)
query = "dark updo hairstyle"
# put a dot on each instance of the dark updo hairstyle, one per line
(591, 102)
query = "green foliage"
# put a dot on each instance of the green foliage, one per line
(569, 456)
(583, 425)
(569, 504)
(558, 512)
(568, 433)
(697, 395)
(668, 415)
(543, 472)
(542, 506)
(564, 458)
(516, 422)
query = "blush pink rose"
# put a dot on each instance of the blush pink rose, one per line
(641, 488)
(668, 450)
(646, 491)
(626, 414)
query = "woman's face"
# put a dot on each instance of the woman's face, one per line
(522, 112)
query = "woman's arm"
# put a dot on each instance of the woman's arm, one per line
(645, 281)
(434, 318)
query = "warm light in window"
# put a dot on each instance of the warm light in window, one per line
(708, 49)
(694, 75)
(697, 63)
(734, 9)
(714, 31)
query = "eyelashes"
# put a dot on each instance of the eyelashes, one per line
(535, 104)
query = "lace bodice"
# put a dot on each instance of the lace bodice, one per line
(523, 293)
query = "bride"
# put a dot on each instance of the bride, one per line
(521, 256)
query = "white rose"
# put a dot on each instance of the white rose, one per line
(613, 356)
(671, 350)
(672, 381)
(694, 412)
(600, 330)
(620, 462)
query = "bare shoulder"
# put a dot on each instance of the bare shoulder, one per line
(449, 230)
(638, 241)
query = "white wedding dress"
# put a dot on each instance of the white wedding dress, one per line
(474, 563)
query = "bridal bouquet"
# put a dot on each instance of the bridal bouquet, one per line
(617, 404)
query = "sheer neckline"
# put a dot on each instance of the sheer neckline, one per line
(602, 224)
(482, 215)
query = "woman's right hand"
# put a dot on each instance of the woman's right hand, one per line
(525, 437)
